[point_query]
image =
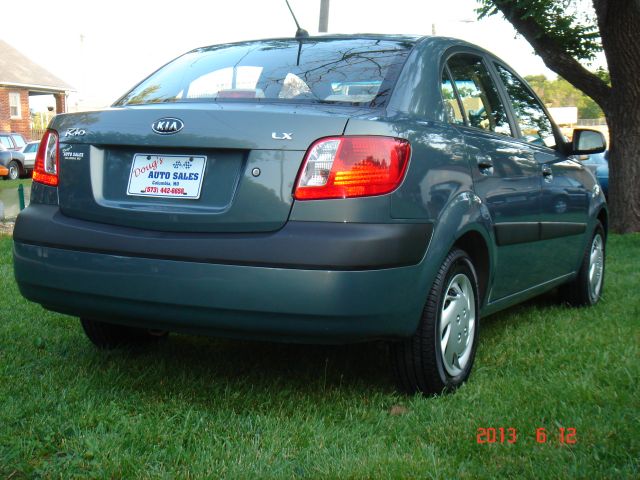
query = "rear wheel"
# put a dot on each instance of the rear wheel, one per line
(14, 170)
(439, 355)
(586, 288)
(110, 335)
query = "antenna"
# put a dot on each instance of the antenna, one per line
(300, 32)
(323, 24)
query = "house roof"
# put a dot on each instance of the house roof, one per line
(16, 69)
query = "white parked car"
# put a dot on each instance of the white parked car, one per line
(29, 151)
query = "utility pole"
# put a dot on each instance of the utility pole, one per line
(323, 26)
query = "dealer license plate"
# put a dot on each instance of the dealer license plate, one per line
(174, 176)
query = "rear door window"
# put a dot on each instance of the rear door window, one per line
(452, 109)
(478, 94)
(535, 125)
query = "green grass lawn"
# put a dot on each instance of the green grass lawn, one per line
(196, 407)
(13, 184)
(9, 198)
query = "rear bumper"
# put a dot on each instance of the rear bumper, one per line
(273, 298)
(314, 245)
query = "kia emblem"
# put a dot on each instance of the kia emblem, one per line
(167, 125)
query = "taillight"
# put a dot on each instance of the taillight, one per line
(47, 162)
(345, 167)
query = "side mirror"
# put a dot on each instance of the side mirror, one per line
(586, 142)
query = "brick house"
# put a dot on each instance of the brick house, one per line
(21, 78)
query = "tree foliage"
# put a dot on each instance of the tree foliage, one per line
(562, 20)
(567, 34)
(563, 32)
(560, 93)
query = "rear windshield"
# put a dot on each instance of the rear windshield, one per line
(353, 71)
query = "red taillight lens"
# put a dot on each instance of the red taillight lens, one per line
(344, 167)
(47, 162)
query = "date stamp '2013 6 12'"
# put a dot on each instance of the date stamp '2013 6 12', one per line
(501, 435)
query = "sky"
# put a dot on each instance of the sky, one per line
(103, 49)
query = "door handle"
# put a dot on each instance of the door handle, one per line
(547, 173)
(485, 164)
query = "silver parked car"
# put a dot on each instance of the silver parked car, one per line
(29, 151)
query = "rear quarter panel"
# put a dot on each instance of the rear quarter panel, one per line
(437, 189)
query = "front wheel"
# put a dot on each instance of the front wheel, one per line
(110, 335)
(586, 288)
(439, 355)
(14, 170)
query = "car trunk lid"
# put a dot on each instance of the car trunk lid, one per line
(235, 163)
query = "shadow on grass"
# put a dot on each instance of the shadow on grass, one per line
(202, 368)
(205, 366)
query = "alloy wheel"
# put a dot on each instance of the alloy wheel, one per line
(596, 266)
(457, 324)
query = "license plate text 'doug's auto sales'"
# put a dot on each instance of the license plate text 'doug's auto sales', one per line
(173, 176)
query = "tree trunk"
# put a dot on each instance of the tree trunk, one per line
(624, 168)
(619, 22)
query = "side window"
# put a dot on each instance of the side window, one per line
(6, 141)
(534, 124)
(18, 140)
(452, 111)
(479, 94)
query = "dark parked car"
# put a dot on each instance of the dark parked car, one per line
(333, 189)
(11, 162)
(599, 164)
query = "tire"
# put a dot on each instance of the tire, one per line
(426, 362)
(14, 170)
(586, 289)
(110, 335)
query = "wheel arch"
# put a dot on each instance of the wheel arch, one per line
(603, 217)
(19, 161)
(476, 246)
(464, 223)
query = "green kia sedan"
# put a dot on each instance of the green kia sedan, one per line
(325, 189)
